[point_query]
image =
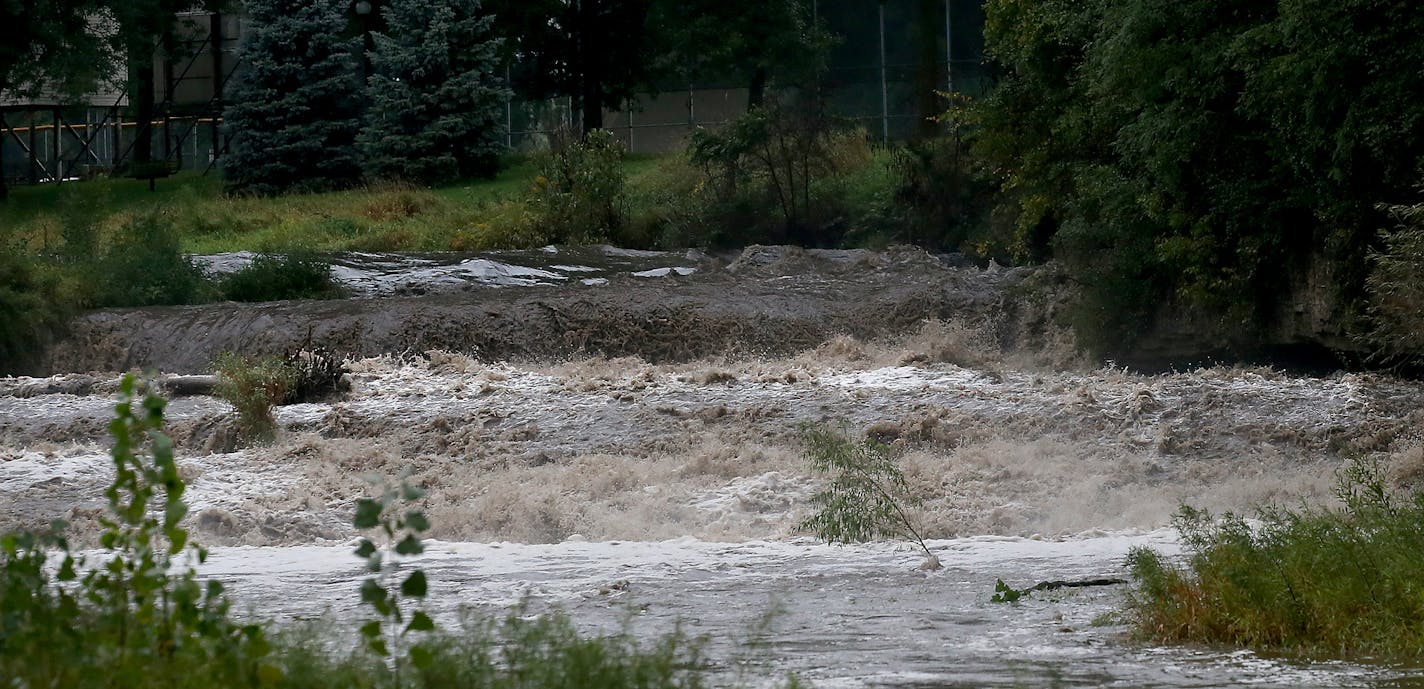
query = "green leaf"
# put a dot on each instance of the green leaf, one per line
(366, 548)
(420, 622)
(415, 520)
(378, 647)
(66, 570)
(410, 545)
(177, 538)
(372, 629)
(409, 492)
(269, 675)
(414, 586)
(368, 514)
(372, 592)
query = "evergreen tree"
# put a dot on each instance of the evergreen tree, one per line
(295, 107)
(436, 102)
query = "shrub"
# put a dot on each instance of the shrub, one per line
(580, 194)
(865, 496)
(1396, 286)
(271, 277)
(1334, 581)
(766, 171)
(943, 197)
(33, 307)
(672, 207)
(253, 387)
(146, 266)
(134, 619)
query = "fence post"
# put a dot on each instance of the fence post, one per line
(884, 90)
(948, 50)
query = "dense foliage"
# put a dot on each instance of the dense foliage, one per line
(778, 45)
(294, 108)
(436, 95)
(601, 52)
(1338, 581)
(1207, 153)
(1396, 287)
(578, 196)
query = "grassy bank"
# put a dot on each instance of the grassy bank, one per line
(1341, 582)
(472, 215)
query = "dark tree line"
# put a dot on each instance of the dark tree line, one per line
(1223, 156)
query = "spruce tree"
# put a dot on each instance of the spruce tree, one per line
(295, 107)
(436, 98)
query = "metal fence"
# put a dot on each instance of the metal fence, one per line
(873, 80)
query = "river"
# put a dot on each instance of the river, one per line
(663, 487)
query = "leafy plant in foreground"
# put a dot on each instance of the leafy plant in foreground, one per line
(400, 532)
(135, 618)
(863, 499)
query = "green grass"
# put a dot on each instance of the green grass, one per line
(1340, 582)
(471, 215)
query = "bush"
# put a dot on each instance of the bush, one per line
(33, 307)
(767, 172)
(580, 194)
(865, 495)
(146, 266)
(943, 197)
(253, 387)
(271, 277)
(1333, 581)
(134, 619)
(1396, 287)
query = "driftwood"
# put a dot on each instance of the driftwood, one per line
(1081, 583)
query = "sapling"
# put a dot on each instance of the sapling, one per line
(865, 496)
(400, 532)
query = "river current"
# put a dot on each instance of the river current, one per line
(655, 494)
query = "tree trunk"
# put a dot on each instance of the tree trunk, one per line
(756, 89)
(4, 187)
(141, 95)
(930, 75)
(590, 38)
(592, 103)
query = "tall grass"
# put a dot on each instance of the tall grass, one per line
(1345, 581)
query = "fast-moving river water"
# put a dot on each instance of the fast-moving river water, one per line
(656, 494)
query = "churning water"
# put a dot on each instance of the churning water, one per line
(658, 494)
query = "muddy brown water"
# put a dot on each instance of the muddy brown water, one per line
(657, 445)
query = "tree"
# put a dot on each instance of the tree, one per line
(51, 46)
(601, 52)
(1204, 153)
(775, 42)
(143, 27)
(295, 107)
(436, 97)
